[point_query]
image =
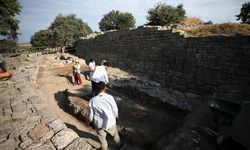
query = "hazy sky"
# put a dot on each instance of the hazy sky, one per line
(38, 14)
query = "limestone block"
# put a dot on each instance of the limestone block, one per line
(47, 136)
(43, 146)
(57, 125)
(26, 142)
(6, 128)
(18, 107)
(79, 143)
(64, 138)
(78, 107)
(8, 144)
(19, 115)
(39, 131)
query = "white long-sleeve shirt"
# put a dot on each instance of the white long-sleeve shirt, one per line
(103, 111)
(100, 75)
(92, 66)
(77, 68)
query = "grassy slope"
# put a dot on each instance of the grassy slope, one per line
(226, 29)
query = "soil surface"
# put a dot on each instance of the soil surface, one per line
(140, 125)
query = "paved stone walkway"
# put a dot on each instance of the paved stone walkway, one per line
(26, 121)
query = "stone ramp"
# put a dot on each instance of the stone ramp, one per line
(27, 122)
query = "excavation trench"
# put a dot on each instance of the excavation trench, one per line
(141, 122)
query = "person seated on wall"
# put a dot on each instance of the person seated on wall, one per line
(99, 75)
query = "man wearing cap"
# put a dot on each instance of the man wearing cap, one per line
(103, 113)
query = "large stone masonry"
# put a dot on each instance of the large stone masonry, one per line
(202, 65)
(26, 121)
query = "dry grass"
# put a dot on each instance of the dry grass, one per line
(192, 20)
(226, 29)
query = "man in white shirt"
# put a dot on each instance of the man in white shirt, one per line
(99, 75)
(103, 114)
(91, 68)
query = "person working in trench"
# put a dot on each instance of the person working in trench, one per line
(103, 112)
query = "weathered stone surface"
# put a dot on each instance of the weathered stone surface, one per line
(57, 125)
(26, 142)
(195, 65)
(80, 144)
(64, 138)
(19, 115)
(42, 146)
(39, 131)
(46, 115)
(78, 107)
(5, 131)
(19, 107)
(8, 144)
(153, 93)
(47, 136)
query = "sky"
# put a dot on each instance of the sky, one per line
(39, 14)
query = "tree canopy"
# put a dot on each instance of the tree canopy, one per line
(116, 20)
(8, 24)
(63, 31)
(244, 15)
(163, 14)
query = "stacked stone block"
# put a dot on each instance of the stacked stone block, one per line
(201, 65)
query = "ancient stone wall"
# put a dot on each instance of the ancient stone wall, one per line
(203, 65)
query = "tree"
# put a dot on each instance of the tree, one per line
(68, 29)
(208, 22)
(163, 14)
(116, 20)
(8, 24)
(63, 31)
(244, 15)
(43, 38)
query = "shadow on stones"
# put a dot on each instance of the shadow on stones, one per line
(81, 133)
(60, 99)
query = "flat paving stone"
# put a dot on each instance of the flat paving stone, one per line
(18, 107)
(42, 146)
(9, 144)
(26, 121)
(26, 143)
(20, 115)
(57, 125)
(79, 144)
(64, 138)
(47, 136)
(39, 131)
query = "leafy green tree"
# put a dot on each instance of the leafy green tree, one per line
(43, 38)
(116, 20)
(244, 15)
(208, 23)
(163, 14)
(63, 31)
(8, 24)
(68, 29)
